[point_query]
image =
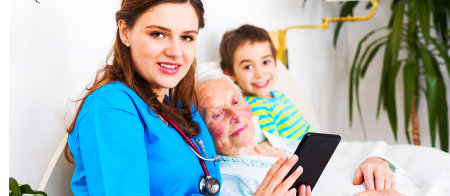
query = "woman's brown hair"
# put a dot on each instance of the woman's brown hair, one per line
(122, 69)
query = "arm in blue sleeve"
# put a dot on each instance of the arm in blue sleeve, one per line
(113, 151)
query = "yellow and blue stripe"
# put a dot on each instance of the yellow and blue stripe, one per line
(279, 116)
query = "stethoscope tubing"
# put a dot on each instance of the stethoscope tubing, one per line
(189, 142)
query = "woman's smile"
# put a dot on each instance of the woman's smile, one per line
(169, 68)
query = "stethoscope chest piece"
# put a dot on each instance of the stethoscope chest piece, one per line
(209, 185)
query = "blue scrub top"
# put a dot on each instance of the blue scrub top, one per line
(121, 147)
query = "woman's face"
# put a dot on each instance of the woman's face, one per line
(227, 115)
(163, 43)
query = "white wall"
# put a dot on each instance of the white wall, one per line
(56, 47)
(4, 97)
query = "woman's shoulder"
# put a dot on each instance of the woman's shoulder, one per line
(112, 95)
(113, 88)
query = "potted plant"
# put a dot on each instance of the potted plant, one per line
(419, 28)
(18, 190)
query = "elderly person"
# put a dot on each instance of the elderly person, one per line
(245, 162)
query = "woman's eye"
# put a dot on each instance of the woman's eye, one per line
(157, 34)
(266, 62)
(187, 38)
(248, 67)
(216, 115)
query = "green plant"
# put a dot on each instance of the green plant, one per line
(18, 190)
(418, 28)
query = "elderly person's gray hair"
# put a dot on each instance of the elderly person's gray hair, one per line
(207, 73)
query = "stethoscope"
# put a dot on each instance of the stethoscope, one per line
(208, 185)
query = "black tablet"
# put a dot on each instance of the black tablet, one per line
(314, 152)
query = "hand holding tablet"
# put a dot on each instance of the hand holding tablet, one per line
(314, 152)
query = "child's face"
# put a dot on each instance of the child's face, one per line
(254, 68)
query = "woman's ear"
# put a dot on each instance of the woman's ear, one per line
(124, 32)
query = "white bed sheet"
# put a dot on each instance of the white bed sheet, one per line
(426, 170)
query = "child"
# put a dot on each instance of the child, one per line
(248, 57)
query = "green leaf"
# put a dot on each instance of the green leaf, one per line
(410, 74)
(396, 32)
(393, 4)
(352, 78)
(14, 187)
(350, 95)
(366, 51)
(369, 5)
(412, 9)
(430, 5)
(390, 57)
(389, 98)
(441, 13)
(443, 53)
(440, 26)
(353, 70)
(358, 75)
(370, 57)
(26, 189)
(424, 18)
(384, 75)
(432, 95)
(346, 10)
(443, 118)
(442, 108)
(336, 33)
(431, 80)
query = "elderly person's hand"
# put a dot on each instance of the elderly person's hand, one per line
(375, 173)
(389, 192)
(273, 183)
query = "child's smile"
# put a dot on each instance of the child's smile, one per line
(254, 68)
(261, 84)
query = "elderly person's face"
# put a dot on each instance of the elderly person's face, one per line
(226, 114)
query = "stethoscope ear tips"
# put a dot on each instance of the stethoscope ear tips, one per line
(218, 158)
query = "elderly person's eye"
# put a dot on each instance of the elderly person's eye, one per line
(217, 115)
(235, 101)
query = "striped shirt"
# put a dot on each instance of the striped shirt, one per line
(279, 116)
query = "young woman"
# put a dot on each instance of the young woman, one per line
(129, 137)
